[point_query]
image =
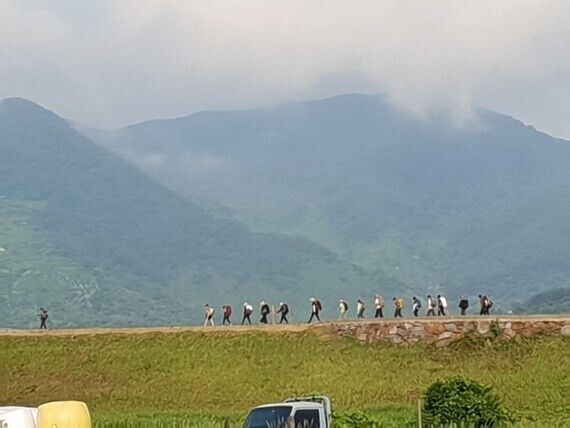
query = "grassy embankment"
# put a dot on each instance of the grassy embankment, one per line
(197, 379)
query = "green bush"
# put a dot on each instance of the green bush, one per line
(465, 403)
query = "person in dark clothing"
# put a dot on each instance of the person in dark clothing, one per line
(416, 305)
(43, 318)
(284, 311)
(247, 311)
(485, 304)
(265, 310)
(316, 307)
(360, 308)
(227, 313)
(463, 305)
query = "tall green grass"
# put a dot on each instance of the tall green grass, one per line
(210, 377)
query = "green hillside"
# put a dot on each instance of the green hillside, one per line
(204, 376)
(99, 243)
(478, 208)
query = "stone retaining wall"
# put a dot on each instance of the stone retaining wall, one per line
(442, 331)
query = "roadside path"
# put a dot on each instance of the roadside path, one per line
(271, 328)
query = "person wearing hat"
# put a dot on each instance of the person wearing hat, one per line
(316, 307)
(284, 311)
(247, 311)
(265, 310)
(398, 306)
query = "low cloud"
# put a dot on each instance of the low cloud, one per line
(115, 62)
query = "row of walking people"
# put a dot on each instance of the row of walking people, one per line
(437, 304)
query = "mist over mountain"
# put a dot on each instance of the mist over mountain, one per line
(481, 207)
(100, 243)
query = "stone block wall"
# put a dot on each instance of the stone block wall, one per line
(443, 331)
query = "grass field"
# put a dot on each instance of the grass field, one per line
(201, 379)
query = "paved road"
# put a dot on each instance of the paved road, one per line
(267, 328)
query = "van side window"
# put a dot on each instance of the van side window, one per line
(307, 418)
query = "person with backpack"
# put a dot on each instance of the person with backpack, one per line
(360, 308)
(43, 318)
(430, 306)
(463, 305)
(416, 305)
(227, 314)
(209, 316)
(284, 311)
(265, 310)
(441, 305)
(485, 304)
(398, 306)
(316, 308)
(379, 305)
(343, 309)
(247, 311)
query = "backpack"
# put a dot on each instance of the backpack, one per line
(228, 310)
(418, 304)
(318, 305)
(345, 306)
(489, 303)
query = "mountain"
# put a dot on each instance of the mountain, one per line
(100, 243)
(481, 207)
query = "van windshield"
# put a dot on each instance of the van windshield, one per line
(263, 417)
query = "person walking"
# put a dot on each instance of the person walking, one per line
(441, 305)
(284, 311)
(398, 306)
(343, 309)
(485, 304)
(264, 310)
(430, 306)
(227, 314)
(43, 318)
(360, 308)
(481, 305)
(463, 305)
(209, 316)
(416, 305)
(247, 311)
(379, 305)
(316, 308)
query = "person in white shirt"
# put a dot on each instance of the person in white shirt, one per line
(441, 305)
(417, 304)
(247, 311)
(209, 315)
(379, 304)
(431, 303)
(343, 309)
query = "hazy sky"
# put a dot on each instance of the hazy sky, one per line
(108, 63)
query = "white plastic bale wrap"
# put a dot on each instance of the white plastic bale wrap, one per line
(18, 417)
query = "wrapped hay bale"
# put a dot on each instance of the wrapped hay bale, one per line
(18, 417)
(64, 414)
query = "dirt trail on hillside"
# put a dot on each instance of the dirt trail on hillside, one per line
(271, 328)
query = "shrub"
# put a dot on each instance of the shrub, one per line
(464, 402)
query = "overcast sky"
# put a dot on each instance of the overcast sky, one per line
(109, 63)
